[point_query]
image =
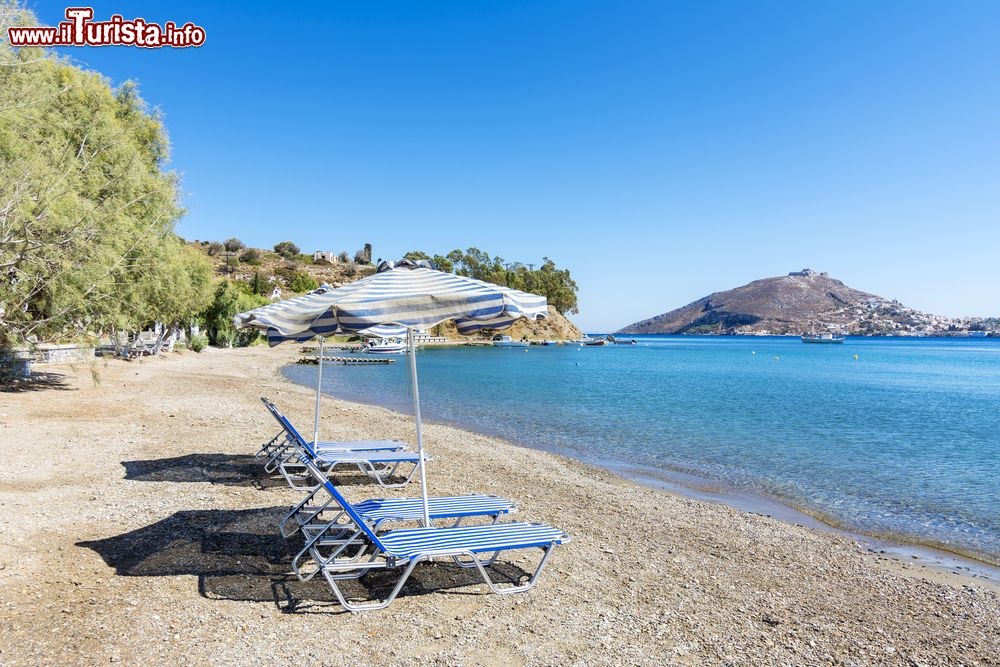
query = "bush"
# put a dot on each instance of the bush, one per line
(198, 342)
(234, 244)
(286, 249)
(286, 272)
(214, 248)
(302, 282)
(259, 284)
(231, 298)
(250, 256)
(344, 257)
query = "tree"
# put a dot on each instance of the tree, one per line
(302, 281)
(229, 300)
(364, 256)
(259, 284)
(214, 248)
(250, 256)
(344, 257)
(286, 249)
(234, 244)
(555, 284)
(87, 210)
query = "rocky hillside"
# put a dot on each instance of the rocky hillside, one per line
(554, 327)
(793, 304)
(279, 271)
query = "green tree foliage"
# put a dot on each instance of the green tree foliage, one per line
(555, 284)
(87, 211)
(198, 342)
(214, 248)
(250, 256)
(259, 284)
(230, 299)
(302, 282)
(287, 249)
(234, 244)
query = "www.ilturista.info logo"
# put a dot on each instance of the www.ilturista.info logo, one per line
(80, 30)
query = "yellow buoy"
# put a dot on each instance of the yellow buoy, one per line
(855, 357)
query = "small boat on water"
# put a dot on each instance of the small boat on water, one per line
(506, 341)
(595, 342)
(550, 342)
(630, 341)
(386, 346)
(977, 334)
(822, 338)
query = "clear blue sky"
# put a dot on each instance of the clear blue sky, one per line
(660, 150)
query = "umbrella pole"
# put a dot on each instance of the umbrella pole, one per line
(420, 435)
(319, 385)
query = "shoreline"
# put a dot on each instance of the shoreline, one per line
(147, 535)
(901, 548)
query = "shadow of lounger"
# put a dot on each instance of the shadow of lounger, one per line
(227, 469)
(239, 555)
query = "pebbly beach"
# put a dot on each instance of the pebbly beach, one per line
(137, 527)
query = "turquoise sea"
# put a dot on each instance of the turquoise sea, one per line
(902, 441)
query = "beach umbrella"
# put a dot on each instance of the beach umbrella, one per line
(275, 311)
(410, 294)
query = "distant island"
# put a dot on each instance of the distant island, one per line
(801, 302)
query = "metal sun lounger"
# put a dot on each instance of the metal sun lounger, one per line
(281, 448)
(362, 548)
(376, 464)
(327, 538)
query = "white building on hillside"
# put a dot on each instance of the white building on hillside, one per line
(325, 256)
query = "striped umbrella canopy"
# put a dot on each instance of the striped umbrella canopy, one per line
(409, 294)
(277, 312)
(274, 337)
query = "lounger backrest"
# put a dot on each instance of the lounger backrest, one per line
(344, 504)
(289, 429)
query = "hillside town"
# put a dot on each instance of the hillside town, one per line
(807, 301)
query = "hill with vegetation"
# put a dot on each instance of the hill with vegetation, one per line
(259, 272)
(798, 303)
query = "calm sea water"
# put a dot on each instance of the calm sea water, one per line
(904, 440)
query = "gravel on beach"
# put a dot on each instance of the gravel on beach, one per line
(138, 529)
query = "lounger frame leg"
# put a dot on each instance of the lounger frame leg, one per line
(507, 590)
(332, 579)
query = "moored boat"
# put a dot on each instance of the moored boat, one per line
(822, 338)
(506, 341)
(386, 346)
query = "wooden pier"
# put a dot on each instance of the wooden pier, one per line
(346, 361)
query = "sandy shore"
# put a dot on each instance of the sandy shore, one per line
(137, 528)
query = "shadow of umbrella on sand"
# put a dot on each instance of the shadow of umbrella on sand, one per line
(409, 294)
